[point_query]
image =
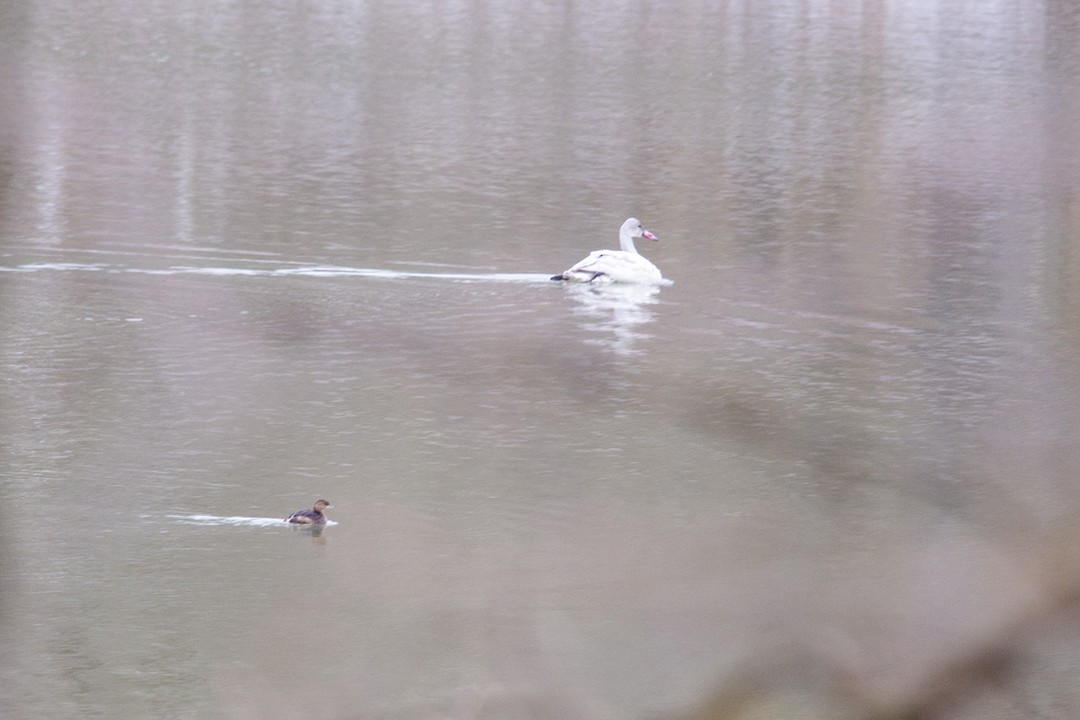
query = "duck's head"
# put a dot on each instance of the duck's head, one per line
(321, 505)
(635, 229)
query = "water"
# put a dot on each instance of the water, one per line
(252, 256)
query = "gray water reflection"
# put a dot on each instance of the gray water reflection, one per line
(250, 256)
(617, 314)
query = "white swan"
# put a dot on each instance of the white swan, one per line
(617, 266)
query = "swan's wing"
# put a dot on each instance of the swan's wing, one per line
(625, 267)
(596, 256)
(613, 266)
(588, 269)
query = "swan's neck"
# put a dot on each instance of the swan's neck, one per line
(626, 243)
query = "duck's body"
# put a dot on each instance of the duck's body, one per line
(625, 265)
(314, 516)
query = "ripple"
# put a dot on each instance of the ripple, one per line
(233, 520)
(302, 271)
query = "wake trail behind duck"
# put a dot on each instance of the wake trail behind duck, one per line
(234, 520)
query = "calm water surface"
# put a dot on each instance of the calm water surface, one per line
(255, 255)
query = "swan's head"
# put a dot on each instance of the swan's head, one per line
(634, 229)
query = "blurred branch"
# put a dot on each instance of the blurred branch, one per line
(813, 683)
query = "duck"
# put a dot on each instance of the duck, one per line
(625, 265)
(314, 516)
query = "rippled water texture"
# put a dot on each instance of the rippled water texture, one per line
(255, 254)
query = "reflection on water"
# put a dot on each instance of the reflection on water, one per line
(615, 315)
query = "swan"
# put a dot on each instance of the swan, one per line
(617, 266)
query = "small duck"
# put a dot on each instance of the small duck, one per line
(314, 516)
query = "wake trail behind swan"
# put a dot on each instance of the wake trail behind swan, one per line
(320, 271)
